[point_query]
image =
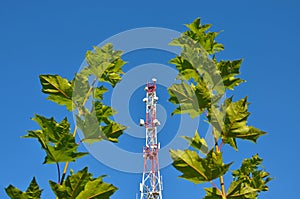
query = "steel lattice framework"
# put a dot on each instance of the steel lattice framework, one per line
(151, 185)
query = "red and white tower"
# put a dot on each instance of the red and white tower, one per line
(151, 185)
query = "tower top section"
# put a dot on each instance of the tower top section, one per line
(151, 86)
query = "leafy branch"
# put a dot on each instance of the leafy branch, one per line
(204, 81)
(57, 139)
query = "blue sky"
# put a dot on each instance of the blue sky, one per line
(40, 37)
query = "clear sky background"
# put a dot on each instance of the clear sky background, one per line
(40, 37)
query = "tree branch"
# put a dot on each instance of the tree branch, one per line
(221, 177)
(76, 127)
(58, 173)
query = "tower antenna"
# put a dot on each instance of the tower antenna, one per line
(151, 185)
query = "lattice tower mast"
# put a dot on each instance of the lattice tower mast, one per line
(151, 185)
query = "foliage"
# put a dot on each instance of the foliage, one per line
(197, 169)
(57, 139)
(32, 192)
(203, 82)
(83, 185)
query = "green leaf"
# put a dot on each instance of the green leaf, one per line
(212, 193)
(249, 180)
(197, 169)
(113, 130)
(186, 70)
(105, 63)
(234, 122)
(51, 130)
(59, 90)
(204, 78)
(97, 189)
(238, 191)
(98, 92)
(14, 193)
(56, 140)
(185, 96)
(90, 125)
(195, 63)
(205, 38)
(197, 143)
(191, 99)
(82, 185)
(32, 192)
(73, 185)
(81, 89)
(206, 82)
(65, 150)
(103, 112)
(228, 71)
(248, 166)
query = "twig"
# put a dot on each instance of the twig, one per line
(216, 187)
(58, 173)
(221, 177)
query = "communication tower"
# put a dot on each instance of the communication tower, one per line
(151, 185)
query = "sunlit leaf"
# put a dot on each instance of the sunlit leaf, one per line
(195, 64)
(32, 192)
(197, 143)
(98, 92)
(228, 71)
(186, 70)
(90, 127)
(183, 95)
(234, 122)
(200, 33)
(191, 99)
(97, 189)
(212, 193)
(59, 90)
(197, 169)
(51, 129)
(56, 140)
(80, 88)
(65, 150)
(249, 180)
(82, 185)
(105, 63)
(103, 112)
(113, 130)
(94, 130)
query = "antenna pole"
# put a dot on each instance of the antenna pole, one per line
(151, 185)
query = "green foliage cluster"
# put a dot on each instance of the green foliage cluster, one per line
(82, 185)
(204, 81)
(104, 65)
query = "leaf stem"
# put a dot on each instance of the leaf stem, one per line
(221, 145)
(89, 91)
(58, 173)
(216, 187)
(221, 177)
(67, 163)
